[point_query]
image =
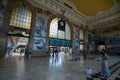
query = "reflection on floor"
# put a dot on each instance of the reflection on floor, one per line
(63, 66)
(18, 54)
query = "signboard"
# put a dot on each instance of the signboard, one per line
(60, 42)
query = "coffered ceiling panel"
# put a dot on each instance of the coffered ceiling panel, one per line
(92, 7)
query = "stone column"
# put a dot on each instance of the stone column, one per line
(85, 35)
(3, 29)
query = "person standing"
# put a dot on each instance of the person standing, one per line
(84, 53)
(9, 53)
(53, 52)
(104, 64)
(21, 51)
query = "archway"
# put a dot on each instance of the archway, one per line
(60, 36)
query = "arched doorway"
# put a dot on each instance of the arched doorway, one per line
(19, 28)
(60, 36)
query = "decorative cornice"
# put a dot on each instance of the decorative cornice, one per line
(105, 19)
(56, 7)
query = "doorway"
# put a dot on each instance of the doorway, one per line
(16, 46)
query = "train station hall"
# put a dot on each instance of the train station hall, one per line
(59, 39)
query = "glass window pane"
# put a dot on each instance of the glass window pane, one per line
(20, 17)
(54, 32)
(53, 28)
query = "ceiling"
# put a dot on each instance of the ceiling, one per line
(92, 7)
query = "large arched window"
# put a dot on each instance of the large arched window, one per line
(59, 33)
(21, 16)
(55, 33)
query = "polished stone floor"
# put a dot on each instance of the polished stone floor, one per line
(60, 67)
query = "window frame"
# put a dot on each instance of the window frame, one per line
(21, 19)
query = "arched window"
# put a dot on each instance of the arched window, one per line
(21, 16)
(55, 33)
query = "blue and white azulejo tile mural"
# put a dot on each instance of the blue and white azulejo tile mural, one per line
(40, 27)
(76, 40)
(39, 44)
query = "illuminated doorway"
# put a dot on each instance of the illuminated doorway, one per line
(16, 45)
(60, 35)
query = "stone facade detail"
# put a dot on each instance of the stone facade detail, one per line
(57, 7)
(105, 19)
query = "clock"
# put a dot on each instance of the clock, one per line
(61, 25)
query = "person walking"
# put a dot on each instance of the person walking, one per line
(105, 72)
(56, 52)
